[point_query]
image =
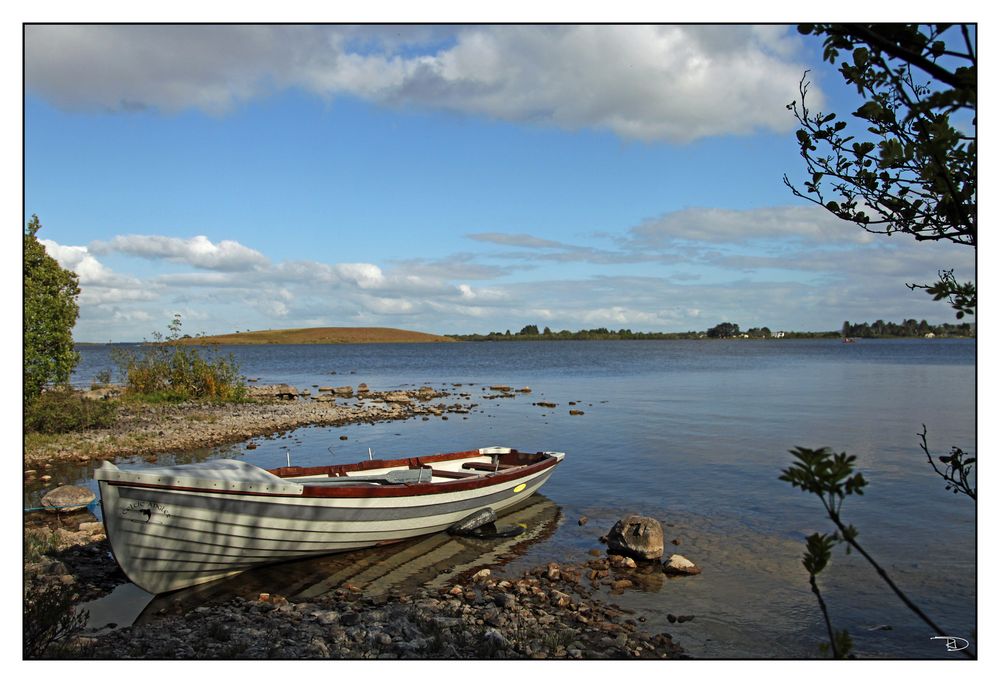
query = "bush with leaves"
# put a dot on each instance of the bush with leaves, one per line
(50, 618)
(50, 312)
(57, 411)
(167, 370)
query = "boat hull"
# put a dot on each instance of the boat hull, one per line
(168, 538)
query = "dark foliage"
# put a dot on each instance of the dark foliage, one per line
(906, 161)
(62, 410)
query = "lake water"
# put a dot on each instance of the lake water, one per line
(695, 434)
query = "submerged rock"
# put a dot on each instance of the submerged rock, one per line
(469, 524)
(638, 537)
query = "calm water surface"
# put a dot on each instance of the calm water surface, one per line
(694, 433)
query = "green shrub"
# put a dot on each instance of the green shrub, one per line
(168, 371)
(50, 619)
(62, 410)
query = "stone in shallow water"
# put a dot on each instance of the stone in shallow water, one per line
(638, 537)
(678, 565)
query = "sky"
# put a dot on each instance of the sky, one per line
(448, 179)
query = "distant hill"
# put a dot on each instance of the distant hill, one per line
(321, 335)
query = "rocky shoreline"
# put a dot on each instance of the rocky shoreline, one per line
(530, 617)
(146, 429)
(549, 612)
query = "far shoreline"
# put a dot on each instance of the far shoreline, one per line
(796, 336)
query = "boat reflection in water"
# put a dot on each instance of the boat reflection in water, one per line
(427, 562)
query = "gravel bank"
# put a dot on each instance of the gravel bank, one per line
(531, 617)
(148, 429)
(551, 612)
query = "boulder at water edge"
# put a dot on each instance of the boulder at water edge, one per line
(638, 537)
(67, 498)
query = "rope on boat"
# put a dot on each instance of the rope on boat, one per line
(60, 507)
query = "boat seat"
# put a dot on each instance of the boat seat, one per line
(486, 466)
(450, 474)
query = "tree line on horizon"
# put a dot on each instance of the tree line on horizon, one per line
(730, 330)
(908, 328)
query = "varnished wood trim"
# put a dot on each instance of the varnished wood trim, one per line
(381, 491)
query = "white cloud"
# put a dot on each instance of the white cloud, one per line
(684, 271)
(364, 275)
(809, 223)
(647, 82)
(131, 316)
(197, 251)
(80, 261)
(98, 283)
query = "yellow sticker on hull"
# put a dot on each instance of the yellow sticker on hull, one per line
(519, 488)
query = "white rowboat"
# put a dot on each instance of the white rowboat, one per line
(174, 527)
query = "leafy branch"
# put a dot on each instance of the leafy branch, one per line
(957, 467)
(815, 560)
(904, 166)
(831, 478)
(961, 296)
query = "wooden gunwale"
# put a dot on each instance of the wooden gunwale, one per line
(378, 491)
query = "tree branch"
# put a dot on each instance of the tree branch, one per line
(894, 49)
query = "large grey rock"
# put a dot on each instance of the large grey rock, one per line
(67, 499)
(638, 537)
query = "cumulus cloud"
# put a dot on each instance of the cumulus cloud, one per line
(364, 275)
(676, 83)
(98, 283)
(197, 251)
(80, 261)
